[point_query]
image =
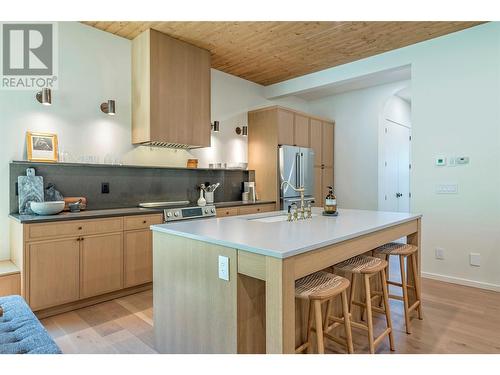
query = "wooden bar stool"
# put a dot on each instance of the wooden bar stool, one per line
(408, 252)
(368, 267)
(318, 288)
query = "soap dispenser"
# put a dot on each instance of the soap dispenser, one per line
(330, 207)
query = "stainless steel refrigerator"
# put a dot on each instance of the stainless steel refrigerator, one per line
(296, 165)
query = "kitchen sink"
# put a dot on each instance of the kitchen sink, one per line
(273, 219)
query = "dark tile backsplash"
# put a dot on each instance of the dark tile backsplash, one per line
(130, 185)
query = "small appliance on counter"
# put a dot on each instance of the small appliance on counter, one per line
(330, 207)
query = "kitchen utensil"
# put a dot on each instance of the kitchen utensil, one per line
(30, 189)
(47, 208)
(75, 206)
(69, 200)
(209, 197)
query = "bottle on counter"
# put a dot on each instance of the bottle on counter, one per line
(330, 202)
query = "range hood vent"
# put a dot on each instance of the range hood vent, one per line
(169, 145)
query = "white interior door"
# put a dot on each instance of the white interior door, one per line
(396, 168)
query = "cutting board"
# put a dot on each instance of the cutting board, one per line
(30, 188)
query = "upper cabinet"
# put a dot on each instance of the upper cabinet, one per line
(293, 128)
(170, 92)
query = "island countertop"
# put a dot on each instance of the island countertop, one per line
(283, 239)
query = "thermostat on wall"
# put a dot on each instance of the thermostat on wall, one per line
(440, 161)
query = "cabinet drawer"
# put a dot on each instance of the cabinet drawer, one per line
(74, 228)
(256, 209)
(142, 221)
(229, 211)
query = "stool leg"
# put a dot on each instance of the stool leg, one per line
(327, 314)
(369, 313)
(347, 323)
(319, 327)
(387, 309)
(351, 293)
(405, 292)
(387, 258)
(416, 282)
(309, 327)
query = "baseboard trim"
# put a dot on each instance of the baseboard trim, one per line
(461, 281)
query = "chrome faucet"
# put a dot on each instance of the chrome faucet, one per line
(300, 190)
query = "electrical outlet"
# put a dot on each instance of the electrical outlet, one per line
(439, 253)
(105, 187)
(223, 268)
(475, 259)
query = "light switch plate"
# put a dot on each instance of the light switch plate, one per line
(447, 189)
(223, 268)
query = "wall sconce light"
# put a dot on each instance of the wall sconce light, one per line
(44, 96)
(215, 127)
(108, 107)
(242, 131)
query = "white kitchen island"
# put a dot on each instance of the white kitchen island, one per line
(195, 311)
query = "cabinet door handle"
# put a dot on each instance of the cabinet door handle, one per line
(144, 222)
(80, 228)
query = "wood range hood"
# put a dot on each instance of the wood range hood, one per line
(170, 92)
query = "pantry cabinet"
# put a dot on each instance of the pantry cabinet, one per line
(273, 126)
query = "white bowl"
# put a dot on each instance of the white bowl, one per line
(47, 208)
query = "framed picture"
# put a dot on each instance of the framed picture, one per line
(41, 146)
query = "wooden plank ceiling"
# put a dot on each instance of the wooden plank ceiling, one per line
(271, 52)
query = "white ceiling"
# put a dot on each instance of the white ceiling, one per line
(374, 79)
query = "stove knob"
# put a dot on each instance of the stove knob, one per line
(176, 213)
(206, 211)
(212, 210)
(169, 214)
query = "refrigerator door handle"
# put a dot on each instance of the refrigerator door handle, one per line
(302, 183)
(297, 169)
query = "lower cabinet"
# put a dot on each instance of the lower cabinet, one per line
(246, 210)
(101, 266)
(138, 257)
(74, 260)
(54, 272)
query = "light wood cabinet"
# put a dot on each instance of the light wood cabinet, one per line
(66, 265)
(54, 272)
(101, 264)
(328, 144)
(246, 210)
(285, 127)
(138, 258)
(301, 130)
(170, 91)
(273, 126)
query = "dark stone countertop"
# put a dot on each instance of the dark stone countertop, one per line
(112, 212)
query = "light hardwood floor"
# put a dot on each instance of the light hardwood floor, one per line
(457, 319)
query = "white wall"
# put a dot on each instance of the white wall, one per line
(356, 114)
(95, 66)
(455, 112)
